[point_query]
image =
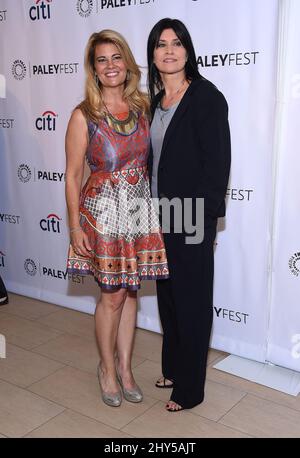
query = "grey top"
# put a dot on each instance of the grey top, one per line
(160, 123)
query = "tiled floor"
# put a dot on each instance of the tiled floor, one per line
(49, 388)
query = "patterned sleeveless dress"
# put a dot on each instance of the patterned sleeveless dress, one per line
(116, 210)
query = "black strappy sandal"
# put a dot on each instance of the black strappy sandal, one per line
(175, 410)
(162, 383)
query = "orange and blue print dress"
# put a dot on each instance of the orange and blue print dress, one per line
(116, 210)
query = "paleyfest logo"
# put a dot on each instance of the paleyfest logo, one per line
(294, 264)
(120, 3)
(84, 7)
(24, 173)
(232, 59)
(231, 315)
(30, 267)
(19, 69)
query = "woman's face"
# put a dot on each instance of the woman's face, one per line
(169, 56)
(109, 65)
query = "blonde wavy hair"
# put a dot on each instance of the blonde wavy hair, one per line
(92, 106)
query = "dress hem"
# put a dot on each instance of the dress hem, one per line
(135, 287)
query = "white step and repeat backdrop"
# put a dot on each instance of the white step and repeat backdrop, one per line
(41, 80)
(284, 330)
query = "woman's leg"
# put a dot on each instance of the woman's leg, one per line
(107, 319)
(194, 311)
(170, 335)
(125, 340)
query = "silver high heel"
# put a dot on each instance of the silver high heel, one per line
(134, 395)
(111, 399)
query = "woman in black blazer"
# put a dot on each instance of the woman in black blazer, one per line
(189, 160)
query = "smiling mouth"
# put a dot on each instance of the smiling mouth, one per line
(111, 74)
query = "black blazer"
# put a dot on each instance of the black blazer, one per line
(195, 156)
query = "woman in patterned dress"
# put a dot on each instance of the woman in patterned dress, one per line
(114, 230)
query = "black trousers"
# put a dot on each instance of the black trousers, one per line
(185, 304)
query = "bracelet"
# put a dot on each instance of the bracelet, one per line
(75, 229)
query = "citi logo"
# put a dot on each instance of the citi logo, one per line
(47, 121)
(2, 259)
(51, 223)
(41, 10)
(3, 15)
(2, 87)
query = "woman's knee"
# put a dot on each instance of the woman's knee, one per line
(114, 300)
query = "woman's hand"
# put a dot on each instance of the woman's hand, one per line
(80, 243)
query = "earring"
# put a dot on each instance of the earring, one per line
(127, 75)
(96, 78)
